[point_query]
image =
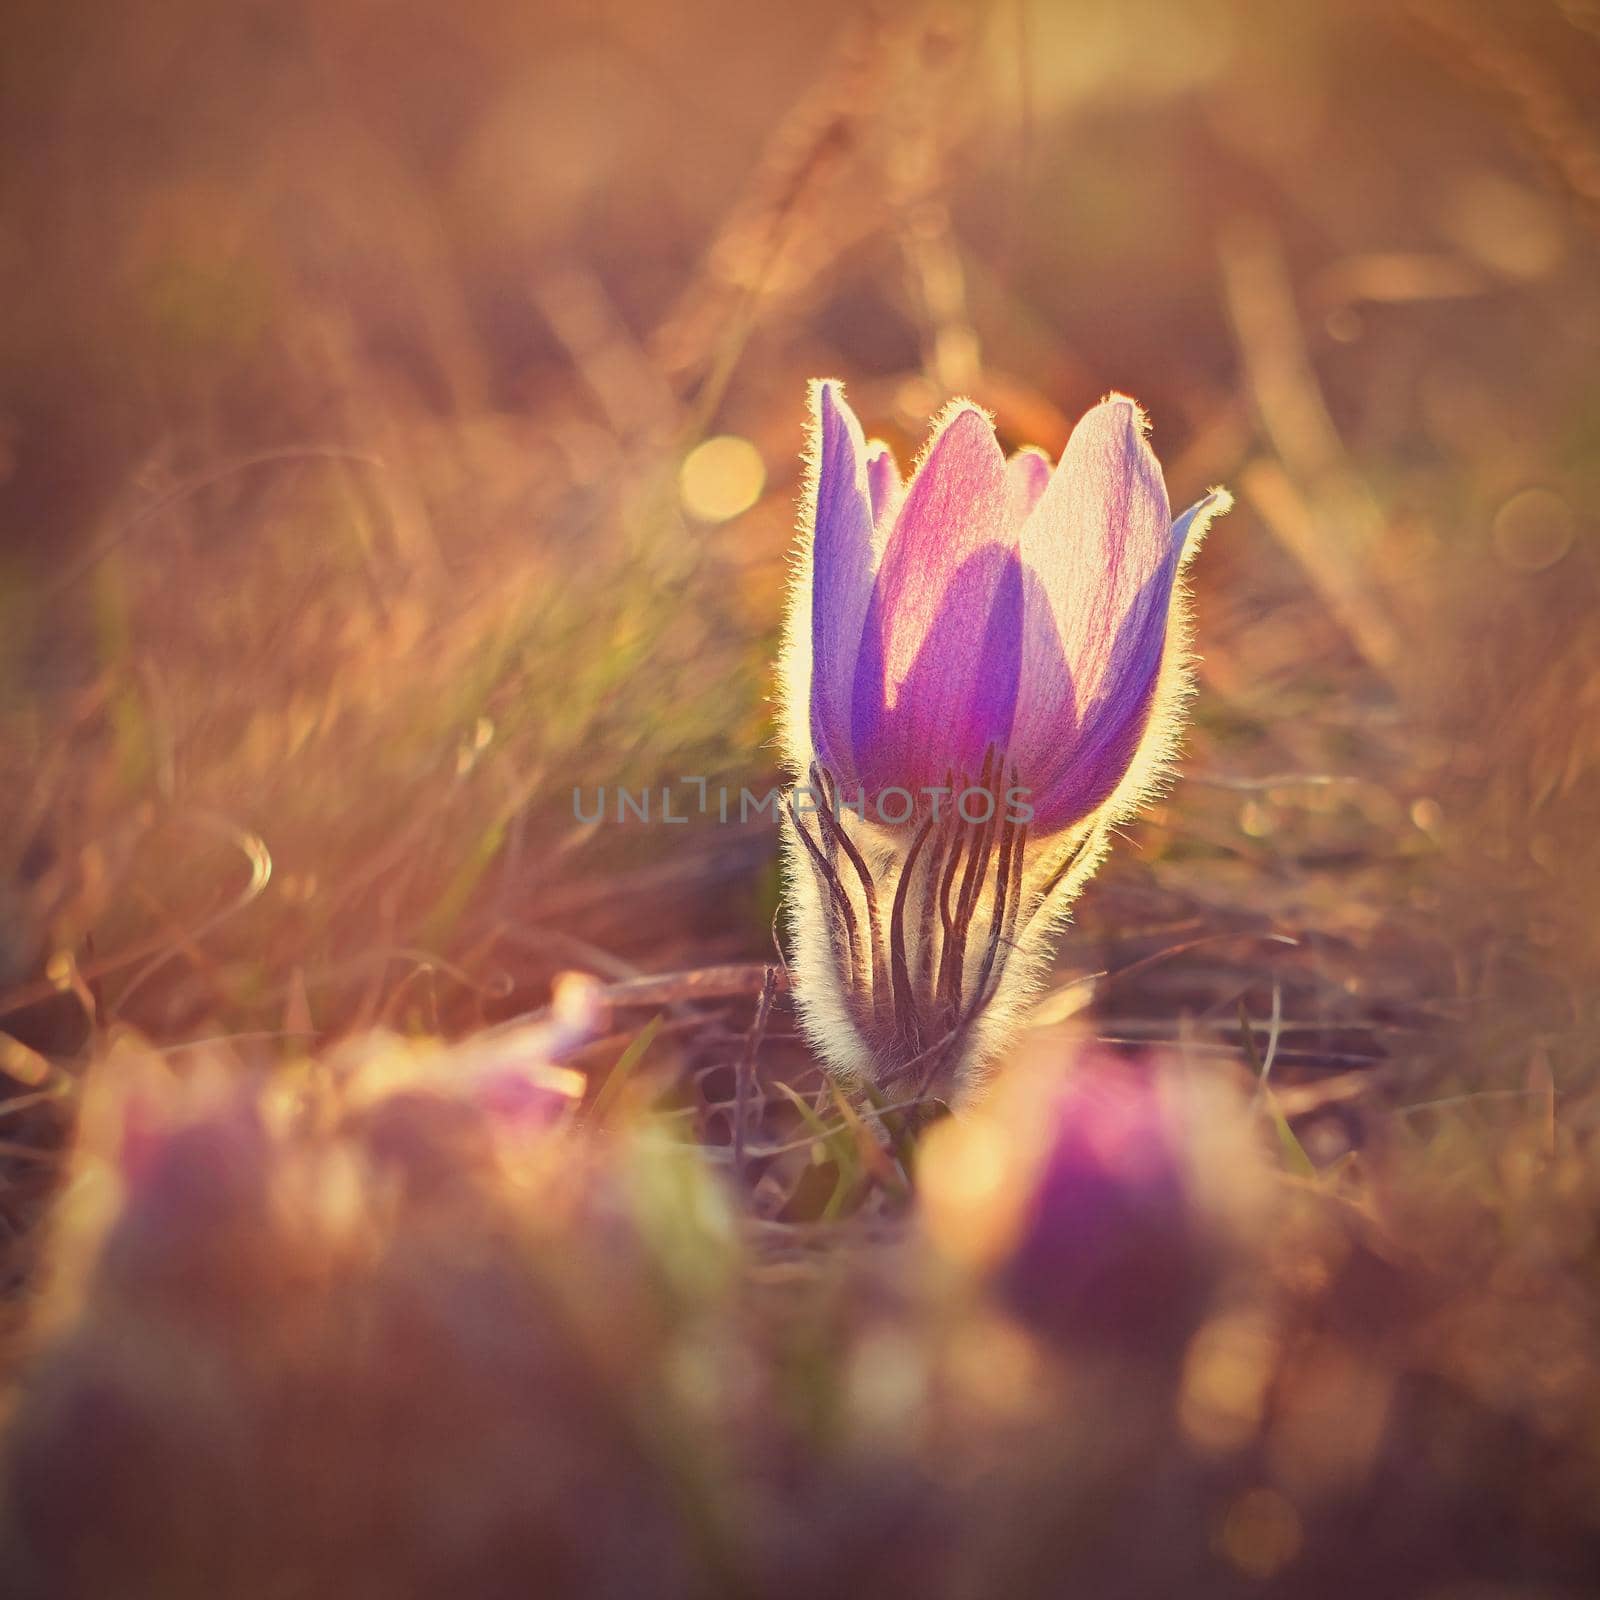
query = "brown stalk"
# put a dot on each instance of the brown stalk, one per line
(976, 870)
(836, 892)
(835, 829)
(905, 1004)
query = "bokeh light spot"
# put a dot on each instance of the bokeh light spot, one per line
(967, 1179)
(1226, 1372)
(1533, 530)
(1260, 1534)
(1256, 820)
(1427, 814)
(1508, 226)
(721, 478)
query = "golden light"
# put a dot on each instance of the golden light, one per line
(1225, 1375)
(721, 478)
(971, 1190)
(1533, 530)
(1261, 1533)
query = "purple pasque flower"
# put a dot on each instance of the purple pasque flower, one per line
(1114, 1243)
(982, 674)
(990, 606)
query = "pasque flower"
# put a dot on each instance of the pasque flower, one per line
(1106, 1200)
(982, 674)
(1114, 1242)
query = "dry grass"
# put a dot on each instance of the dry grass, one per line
(350, 362)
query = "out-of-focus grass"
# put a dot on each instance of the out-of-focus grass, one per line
(345, 450)
(354, 1326)
(346, 472)
(349, 362)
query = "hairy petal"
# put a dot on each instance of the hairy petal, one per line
(1027, 474)
(1101, 543)
(883, 482)
(1101, 530)
(935, 681)
(1093, 760)
(842, 562)
(1190, 528)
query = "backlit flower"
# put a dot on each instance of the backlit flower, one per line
(982, 674)
(1113, 1242)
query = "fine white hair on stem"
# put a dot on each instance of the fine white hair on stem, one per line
(919, 944)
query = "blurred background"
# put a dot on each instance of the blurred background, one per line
(399, 419)
(400, 416)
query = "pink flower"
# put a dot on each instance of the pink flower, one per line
(1114, 1243)
(982, 675)
(991, 605)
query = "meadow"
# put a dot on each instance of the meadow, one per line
(401, 417)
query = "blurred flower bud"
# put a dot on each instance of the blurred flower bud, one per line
(1101, 1204)
(1112, 1243)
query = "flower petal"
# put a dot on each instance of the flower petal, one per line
(842, 562)
(1101, 530)
(935, 681)
(1101, 542)
(1027, 474)
(1097, 754)
(1191, 527)
(957, 698)
(883, 481)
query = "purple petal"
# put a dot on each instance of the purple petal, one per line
(1190, 528)
(956, 700)
(1114, 1245)
(883, 481)
(1101, 530)
(1097, 756)
(841, 570)
(937, 675)
(1101, 543)
(1027, 474)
